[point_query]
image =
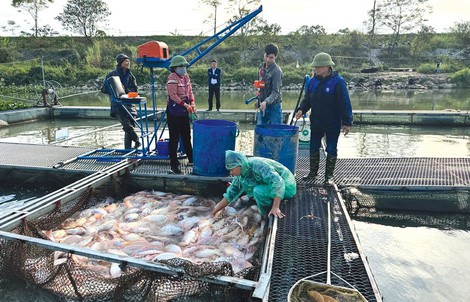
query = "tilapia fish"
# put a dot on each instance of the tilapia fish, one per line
(157, 226)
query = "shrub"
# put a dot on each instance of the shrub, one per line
(293, 75)
(247, 74)
(8, 54)
(461, 78)
(12, 105)
(446, 67)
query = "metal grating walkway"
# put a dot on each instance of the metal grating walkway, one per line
(384, 173)
(301, 245)
(39, 156)
(371, 173)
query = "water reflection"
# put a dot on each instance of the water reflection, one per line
(404, 141)
(362, 141)
(455, 99)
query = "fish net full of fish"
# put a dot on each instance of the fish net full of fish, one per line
(174, 230)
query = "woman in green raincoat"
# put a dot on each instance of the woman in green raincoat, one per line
(264, 179)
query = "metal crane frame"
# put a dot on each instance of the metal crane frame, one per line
(146, 152)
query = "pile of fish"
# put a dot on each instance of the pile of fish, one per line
(158, 226)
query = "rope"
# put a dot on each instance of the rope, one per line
(75, 94)
(84, 134)
(97, 130)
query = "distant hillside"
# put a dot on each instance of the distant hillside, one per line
(74, 61)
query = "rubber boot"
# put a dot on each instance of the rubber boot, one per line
(175, 169)
(314, 163)
(135, 138)
(127, 141)
(329, 169)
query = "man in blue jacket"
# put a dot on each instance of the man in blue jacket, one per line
(214, 74)
(328, 99)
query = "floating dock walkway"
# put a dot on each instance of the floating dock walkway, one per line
(433, 173)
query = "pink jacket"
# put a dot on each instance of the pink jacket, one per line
(178, 88)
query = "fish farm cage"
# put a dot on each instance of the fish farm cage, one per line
(439, 200)
(27, 254)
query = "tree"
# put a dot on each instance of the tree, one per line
(33, 7)
(307, 37)
(311, 30)
(423, 41)
(214, 4)
(372, 21)
(44, 31)
(401, 16)
(269, 29)
(84, 16)
(461, 32)
(241, 8)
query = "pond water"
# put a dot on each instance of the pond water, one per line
(362, 141)
(410, 261)
(455, 99)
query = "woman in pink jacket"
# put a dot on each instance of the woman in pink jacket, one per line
(180, 104)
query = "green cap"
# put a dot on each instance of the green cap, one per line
(178, 61)
(322, 59)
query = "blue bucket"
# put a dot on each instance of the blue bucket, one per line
(211, 138)
(163, 147)
(279, 142)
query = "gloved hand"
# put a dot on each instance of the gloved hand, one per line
(193, 106)
(189, 108)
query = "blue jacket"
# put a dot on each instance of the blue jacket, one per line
(214, 75)
(329, 102)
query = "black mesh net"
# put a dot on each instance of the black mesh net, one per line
(70, 280)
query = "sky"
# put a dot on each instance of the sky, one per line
(153, 17)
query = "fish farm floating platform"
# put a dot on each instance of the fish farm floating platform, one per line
(299, 246)
(296, 246)
(298, 250)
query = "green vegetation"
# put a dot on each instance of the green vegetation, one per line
(461, 77)
(12, 105)
(75, 62)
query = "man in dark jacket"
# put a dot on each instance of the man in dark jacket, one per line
(331, 113)
(129, 84)
(214, 75)
(270, 98)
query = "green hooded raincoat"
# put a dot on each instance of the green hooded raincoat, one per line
(261, 178)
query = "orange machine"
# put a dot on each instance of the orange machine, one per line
(153, 49)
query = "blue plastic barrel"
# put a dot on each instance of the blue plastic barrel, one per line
(163, 147)
(279, 142)
(211, 138)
